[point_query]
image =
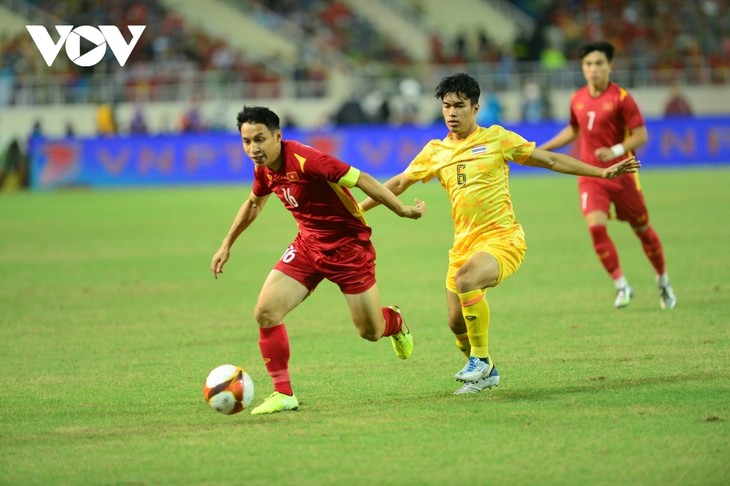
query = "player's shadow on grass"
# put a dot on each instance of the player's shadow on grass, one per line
(602, 383)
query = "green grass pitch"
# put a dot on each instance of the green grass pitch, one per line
(110, 321)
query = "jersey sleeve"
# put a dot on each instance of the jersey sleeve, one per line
(259, 187)
(349, 179)
(514, 147)
(421, 167)
(327, 167)
(631, 113)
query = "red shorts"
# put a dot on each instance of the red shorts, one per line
(624, 192)
(350, 266)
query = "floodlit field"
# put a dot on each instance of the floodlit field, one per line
(110, 321)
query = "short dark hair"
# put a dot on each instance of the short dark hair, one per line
(600, 46)
(258, 114)
(462, 85)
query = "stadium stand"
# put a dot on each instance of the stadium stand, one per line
(409, 35)
(309, 58)
(470, 16)
(334, 23)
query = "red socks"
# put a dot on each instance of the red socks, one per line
(274, 345)
(393, 321)
(653, 249)
(605, 250)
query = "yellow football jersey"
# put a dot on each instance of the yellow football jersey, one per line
(475, 174)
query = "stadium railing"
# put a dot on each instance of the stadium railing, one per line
(124, 86)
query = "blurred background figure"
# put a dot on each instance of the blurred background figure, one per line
(407, 102)
(490, 110)
(138, 124)
(106, 120)
(14, 173)
(535, 107)
(70, 131)
(288, 121)
(677, 105)
(377, 107)
(350, 112)
(35, 132)
(192, 119)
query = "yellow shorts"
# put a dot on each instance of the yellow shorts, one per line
(509, 253)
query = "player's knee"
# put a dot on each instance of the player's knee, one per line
(640, 229)
(466, 281)
(266, 316)
(596, 218)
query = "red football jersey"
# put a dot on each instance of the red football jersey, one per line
(327, 214)
(603, 121)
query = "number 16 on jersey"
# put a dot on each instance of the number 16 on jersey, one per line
(289, 254)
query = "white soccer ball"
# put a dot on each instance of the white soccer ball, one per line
(228, 389)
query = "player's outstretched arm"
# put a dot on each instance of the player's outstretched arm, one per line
(396, 184)
(628, 165)
(249, 211)
(382, 194)
(563, 138)
(565, 164)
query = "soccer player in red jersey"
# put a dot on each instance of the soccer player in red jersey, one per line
(333, 243)
(607, 122)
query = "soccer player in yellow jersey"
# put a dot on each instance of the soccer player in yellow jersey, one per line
(471, 163)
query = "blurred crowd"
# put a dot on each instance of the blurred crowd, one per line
(170, 55)
(334, 24)
(668, 39)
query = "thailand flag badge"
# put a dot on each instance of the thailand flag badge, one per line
(479, 149)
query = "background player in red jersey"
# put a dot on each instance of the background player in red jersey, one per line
(333, 243)
(605, 118)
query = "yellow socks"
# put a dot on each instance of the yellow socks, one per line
(475, 309)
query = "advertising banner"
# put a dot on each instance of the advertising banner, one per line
(218, 158)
